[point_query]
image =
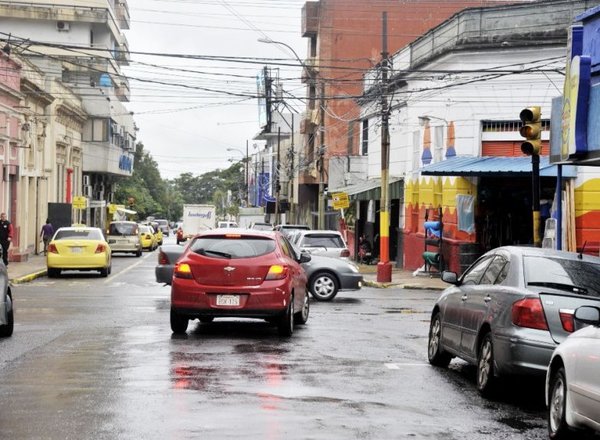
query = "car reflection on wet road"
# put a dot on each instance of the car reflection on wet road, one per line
(96, 359)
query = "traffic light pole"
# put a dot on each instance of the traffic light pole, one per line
(535, 185)
(532, 146)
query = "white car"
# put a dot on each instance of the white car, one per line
(573, 378)
(226, 224)
(326, 243)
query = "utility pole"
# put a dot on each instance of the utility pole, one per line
(291, 178)
(247, 176)
(277, 182)
(384, 267)
(321, 162)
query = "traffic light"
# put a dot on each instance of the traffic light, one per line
(531, 130)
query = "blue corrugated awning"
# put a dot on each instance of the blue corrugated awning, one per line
(492, 165)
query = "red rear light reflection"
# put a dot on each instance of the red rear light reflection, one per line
(566, 319)
(345, 253)
(529, 313)
(52, 248)
(100, 248)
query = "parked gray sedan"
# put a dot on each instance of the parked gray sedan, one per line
(6, 304)
(326, 276)
(508, 312)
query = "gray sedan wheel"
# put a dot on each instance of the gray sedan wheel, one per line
(7, 329)
(437, 356)
(323, 286)
(486, 380)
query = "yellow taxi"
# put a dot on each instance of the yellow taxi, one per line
(147, 237)
(157, 232)
(78, 248)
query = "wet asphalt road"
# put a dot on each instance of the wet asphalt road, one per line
(94, 358)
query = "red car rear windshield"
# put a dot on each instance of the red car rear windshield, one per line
(232, 246)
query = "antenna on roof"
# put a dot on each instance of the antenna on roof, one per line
(580, 256)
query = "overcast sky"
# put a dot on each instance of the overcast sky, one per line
(194, 109)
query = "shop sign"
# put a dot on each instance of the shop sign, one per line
(79, 202)
(340, 200)
(576, 96)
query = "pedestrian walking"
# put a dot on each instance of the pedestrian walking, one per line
(47, 233)
(6, 232)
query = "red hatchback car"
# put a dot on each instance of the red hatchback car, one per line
(240, 273)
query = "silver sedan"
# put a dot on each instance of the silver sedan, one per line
(508, 312)
(6, 303)
(573, 379)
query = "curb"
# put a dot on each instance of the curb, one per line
(379, 285)
(28, 278)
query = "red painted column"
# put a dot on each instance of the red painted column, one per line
(69, 191)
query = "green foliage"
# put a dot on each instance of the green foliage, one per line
(165, 198)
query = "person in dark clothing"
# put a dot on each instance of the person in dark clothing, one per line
(6, 233)
(46, 234)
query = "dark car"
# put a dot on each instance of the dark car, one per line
(242, 273)
(326, 276)
(163, 224)
(6, 304)
(508, 311)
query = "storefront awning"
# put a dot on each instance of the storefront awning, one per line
(493, 166)
(371, 189)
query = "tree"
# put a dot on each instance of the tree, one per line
(145, 186)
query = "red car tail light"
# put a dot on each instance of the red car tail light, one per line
(345, 253)
(277, 272)
(52, 248)
(567, 321)
(183, 270)
(529, 313)
(162, 258)
(100, 248)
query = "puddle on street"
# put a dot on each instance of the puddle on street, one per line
(260, 348)
(518, 424)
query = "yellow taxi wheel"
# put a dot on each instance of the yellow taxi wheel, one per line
(53, 273)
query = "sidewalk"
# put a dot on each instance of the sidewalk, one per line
(35, 267)
(24, 272)
(401, 278)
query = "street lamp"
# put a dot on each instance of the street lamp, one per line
(312, 76)
(246, 168)
(269, 41)
(423, 120)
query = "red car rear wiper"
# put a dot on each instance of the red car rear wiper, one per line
(204, 252)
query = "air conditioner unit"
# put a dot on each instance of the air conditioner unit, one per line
(63, 26)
